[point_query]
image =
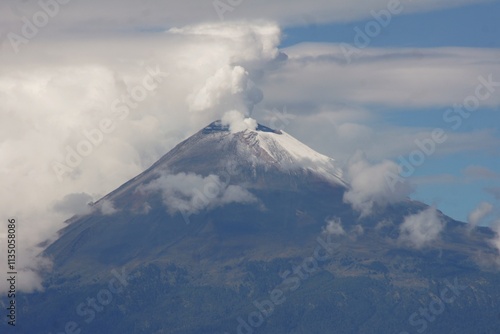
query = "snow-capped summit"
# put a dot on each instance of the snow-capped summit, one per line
(268, 147)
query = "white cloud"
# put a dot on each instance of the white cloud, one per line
(266, 33)
(393, 78)
(226, 81)
(479, 213)
(421, 229)
(191, 193)
(106, 207)
(334, 227)
(374, 184)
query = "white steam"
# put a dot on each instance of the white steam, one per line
(479, 213)
(334, 227)
(237, 122)
(421, 229)
(374, 184)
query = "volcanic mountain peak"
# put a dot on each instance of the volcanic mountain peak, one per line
(274, 148)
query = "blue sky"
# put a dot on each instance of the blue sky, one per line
(470, 26)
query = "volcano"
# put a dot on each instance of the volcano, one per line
(248, 232)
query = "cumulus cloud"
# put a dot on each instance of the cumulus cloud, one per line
(334, 227)
(232, 86)
(479, 213)
(191, 193)
(421, 229)
(373, 185)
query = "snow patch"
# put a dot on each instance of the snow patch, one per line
(290, 153)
